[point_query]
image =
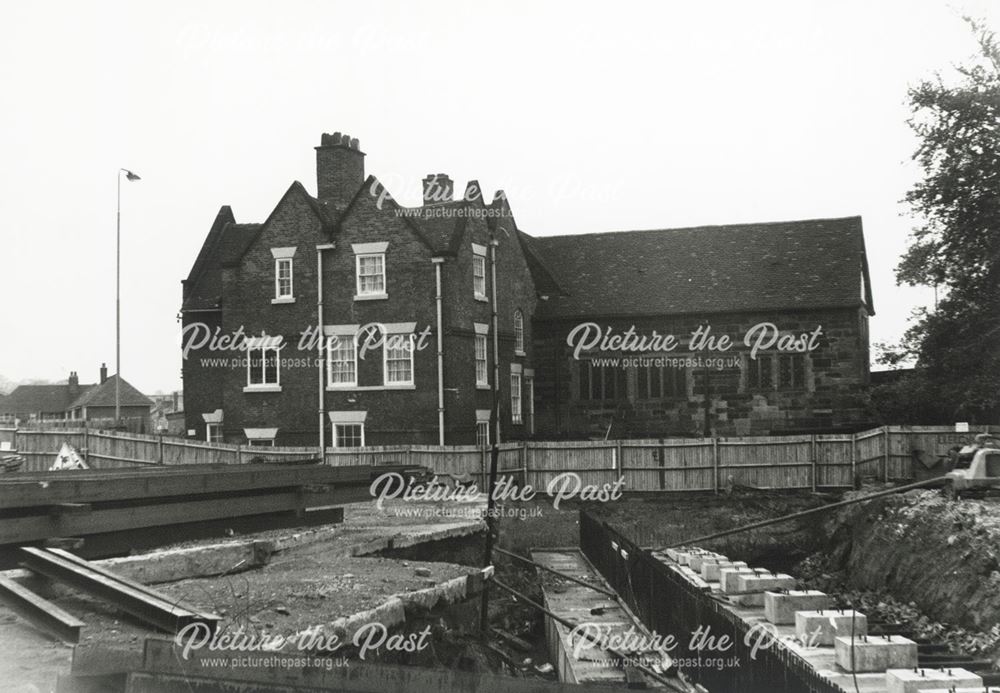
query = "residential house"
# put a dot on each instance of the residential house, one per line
(73, 401)
(348, 319)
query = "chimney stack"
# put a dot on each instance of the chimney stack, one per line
(104, 373)
(74, 379)
(340, 169)
(438, 187)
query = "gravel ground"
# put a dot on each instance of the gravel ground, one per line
(314, 581)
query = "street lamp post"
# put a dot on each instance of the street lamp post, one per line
(118, 294)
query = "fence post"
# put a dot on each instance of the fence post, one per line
(408, 455)
(239, 453)
(86, 443)
(159, 448)
(524, 463)
(813, 461)
(715, 464)
(885, 457)
(618, 457)
(854, 458)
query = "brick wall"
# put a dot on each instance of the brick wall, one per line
(829, 396)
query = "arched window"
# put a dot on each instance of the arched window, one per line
(518, 332)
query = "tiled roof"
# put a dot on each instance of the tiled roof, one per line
(32, 399)
(741, 267)
(103, 395)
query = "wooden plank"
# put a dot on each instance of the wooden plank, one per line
(23, 530)
(162, 656)
(39, 612)
(155, 611)
(53, 488)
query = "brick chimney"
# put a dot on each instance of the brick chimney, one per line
(438, 187)
(104, 372)
(340, 168)
(74, 385)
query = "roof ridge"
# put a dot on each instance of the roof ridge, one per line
(698, 228)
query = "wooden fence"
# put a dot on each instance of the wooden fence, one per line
(889, 453)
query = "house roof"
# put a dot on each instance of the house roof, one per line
(31, 399)
(817, 263)
(103, 395)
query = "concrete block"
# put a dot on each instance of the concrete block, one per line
(819, 628)
(710, 568)
(697, 560)
(875, 653)
(910, 681)
(728, 577)
(677, 554)
(757, 584)
(780, 607)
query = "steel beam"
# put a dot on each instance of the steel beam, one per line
(39, 612)
(153, 610)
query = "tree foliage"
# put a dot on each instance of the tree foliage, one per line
(957, 244)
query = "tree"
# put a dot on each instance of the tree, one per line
(957, 244)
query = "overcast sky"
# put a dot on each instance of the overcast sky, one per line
(593, 117)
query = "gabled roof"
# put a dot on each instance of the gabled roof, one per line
(103, 395)
(815, 263)
(225, 245)
(31, 399)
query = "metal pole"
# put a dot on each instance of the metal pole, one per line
(118, 303)
(805, 513)
(491, 528)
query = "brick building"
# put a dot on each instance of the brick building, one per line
(363, 322)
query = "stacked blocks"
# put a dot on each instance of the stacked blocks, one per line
(756, 584)
(820, 628)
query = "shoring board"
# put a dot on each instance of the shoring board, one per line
(164, 657)
(23, 530)
(124, 541)
(40, 612)
(54, 488)
(155, 611)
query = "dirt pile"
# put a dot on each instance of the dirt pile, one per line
(943, 556)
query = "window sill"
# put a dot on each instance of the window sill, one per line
(481, 298)
(519, 352)
(517, 422)
(371, 297)
(262, 388)
(368, 388)
(483, 386)
(282, 299)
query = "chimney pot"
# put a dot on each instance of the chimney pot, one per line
(104, 372)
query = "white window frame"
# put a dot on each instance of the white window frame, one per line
(331, 350)
(262, 347)
(260, 437)
(481, 340)
(410, 349)
(516, 398)
(365, 251)
(479, 277)
(217, 428)
(483, 425)
(518, 333)
(283, 257)
(339, 419)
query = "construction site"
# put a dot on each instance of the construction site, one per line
(293, 576)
